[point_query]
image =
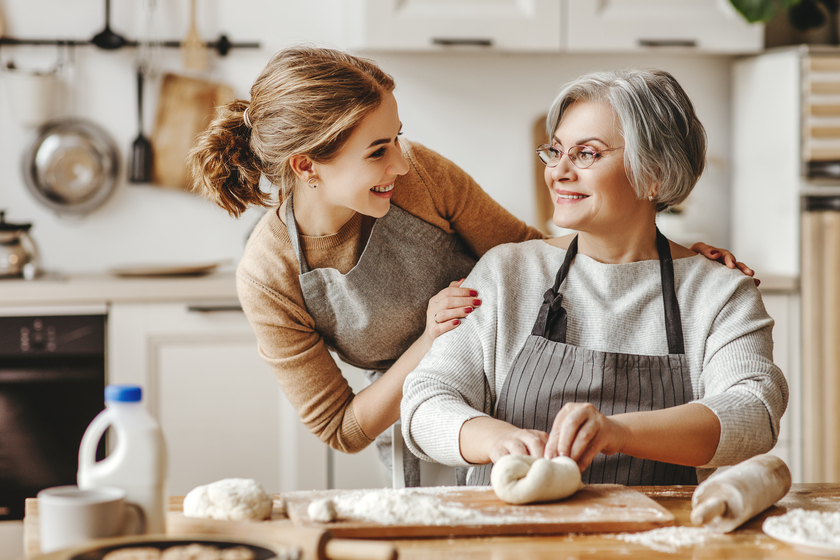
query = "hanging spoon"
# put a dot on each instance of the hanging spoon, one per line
(107, 39)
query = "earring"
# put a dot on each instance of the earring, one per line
(650, 197)
(313, 183)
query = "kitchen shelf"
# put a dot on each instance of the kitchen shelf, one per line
(222, 45)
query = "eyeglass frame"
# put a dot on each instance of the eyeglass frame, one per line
(561, 153)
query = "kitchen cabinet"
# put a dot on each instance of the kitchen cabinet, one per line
(710, 26)
(220, 408)
(428, 25)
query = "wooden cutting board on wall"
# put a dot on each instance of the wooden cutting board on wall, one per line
(186, 107)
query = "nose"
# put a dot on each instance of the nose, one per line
(398, 164)
(563, 170)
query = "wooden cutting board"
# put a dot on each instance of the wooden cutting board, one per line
(186, 107)
(597, 508)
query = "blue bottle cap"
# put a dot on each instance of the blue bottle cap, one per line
(123, 393)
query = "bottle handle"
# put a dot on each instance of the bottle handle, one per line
(90, 440)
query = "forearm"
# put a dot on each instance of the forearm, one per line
(476, 435)
(684, 435)
(377, 407)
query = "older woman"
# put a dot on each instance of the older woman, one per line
(643, 362)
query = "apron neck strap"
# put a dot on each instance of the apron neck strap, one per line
(294, 235)
(552, 319)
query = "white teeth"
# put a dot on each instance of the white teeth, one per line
(570, 196)
(386, 188)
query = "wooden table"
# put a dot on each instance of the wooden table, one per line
(747, 542)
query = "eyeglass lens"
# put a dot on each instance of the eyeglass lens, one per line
(580, 156)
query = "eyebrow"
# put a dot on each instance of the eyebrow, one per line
(383, 140)
(582, 140)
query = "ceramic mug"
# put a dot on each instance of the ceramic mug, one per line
(30, 95)
(70, 516)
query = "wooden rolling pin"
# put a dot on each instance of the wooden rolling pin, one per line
(314, 544)
(726, 500)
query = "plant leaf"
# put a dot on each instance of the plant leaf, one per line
(755, 11)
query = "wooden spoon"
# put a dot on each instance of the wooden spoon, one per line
(193, 49)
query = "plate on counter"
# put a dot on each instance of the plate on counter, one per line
(152, 270)
(146, 546)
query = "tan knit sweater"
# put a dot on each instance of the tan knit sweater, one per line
(434, 190)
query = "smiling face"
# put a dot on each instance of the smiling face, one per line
(597, 200)
(361, 177)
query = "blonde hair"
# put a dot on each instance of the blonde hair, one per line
(306, 101)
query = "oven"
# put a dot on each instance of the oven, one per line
(52, 379)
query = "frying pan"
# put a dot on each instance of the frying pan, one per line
(72, 166)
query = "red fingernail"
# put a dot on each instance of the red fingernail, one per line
(456, 322)
(468, 310)
(462, 279)
(476, 302)
(473, 293)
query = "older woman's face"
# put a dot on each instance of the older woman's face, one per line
(598, 199)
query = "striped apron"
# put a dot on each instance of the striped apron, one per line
(547, 373)
(372, 314)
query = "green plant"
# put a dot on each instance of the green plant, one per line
(802, 14)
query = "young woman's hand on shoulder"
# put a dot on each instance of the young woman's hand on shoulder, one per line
(448, 307)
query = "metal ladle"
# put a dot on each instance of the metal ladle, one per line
(107, 39)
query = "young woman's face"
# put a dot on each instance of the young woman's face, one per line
(598, 199)
(361, 178)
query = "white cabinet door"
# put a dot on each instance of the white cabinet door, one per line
(632, 25)
(221, 410)
(506, 25)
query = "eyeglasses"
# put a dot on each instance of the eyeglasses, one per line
(581, 157)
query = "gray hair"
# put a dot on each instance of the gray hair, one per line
(664, 142)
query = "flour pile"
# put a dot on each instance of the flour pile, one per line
(405, 506)
(806, 527)
(669, 539)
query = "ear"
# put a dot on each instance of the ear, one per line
(302, 166)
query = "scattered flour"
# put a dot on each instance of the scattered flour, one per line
(398, 507)
(806, 527)
(669, 539)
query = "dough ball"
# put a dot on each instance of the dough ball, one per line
(234, 499)
(522, 479)
(322, 511)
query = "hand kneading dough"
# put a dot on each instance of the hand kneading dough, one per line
(234, 499)
(522, 479)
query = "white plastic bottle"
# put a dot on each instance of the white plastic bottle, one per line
(137, 462)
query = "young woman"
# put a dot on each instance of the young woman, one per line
(366, 252)
(643, 362)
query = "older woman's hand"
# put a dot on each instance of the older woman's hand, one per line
(518, 441)
(724, 257)
(580, 432)
(448, 307)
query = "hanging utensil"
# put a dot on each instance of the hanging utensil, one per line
(107, 39)
(140, 165)
(193, 49)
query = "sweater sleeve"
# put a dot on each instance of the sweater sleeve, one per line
(302, 364)
(741, 384)
(469, 211)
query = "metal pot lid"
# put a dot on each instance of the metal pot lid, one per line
(72, 166)
(6, 226)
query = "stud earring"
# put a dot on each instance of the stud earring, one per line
(313, 183)
(650, 197)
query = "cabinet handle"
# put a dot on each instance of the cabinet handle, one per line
(692, 43)
(455, 42)
(199, 308)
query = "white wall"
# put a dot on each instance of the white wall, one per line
(477, 109)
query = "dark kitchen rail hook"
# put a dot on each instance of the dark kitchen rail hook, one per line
(222, 45)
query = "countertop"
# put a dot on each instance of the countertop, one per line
(103, 289)
(748, 541)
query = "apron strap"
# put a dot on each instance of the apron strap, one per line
(291, 228)
(673, 321)
(552, 319)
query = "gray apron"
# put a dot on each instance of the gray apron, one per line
(372, 314)
(547, 373)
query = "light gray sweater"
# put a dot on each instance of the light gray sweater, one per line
(612, 308)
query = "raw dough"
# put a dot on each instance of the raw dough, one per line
(234, 499)
(322, 511)
(522, 479)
